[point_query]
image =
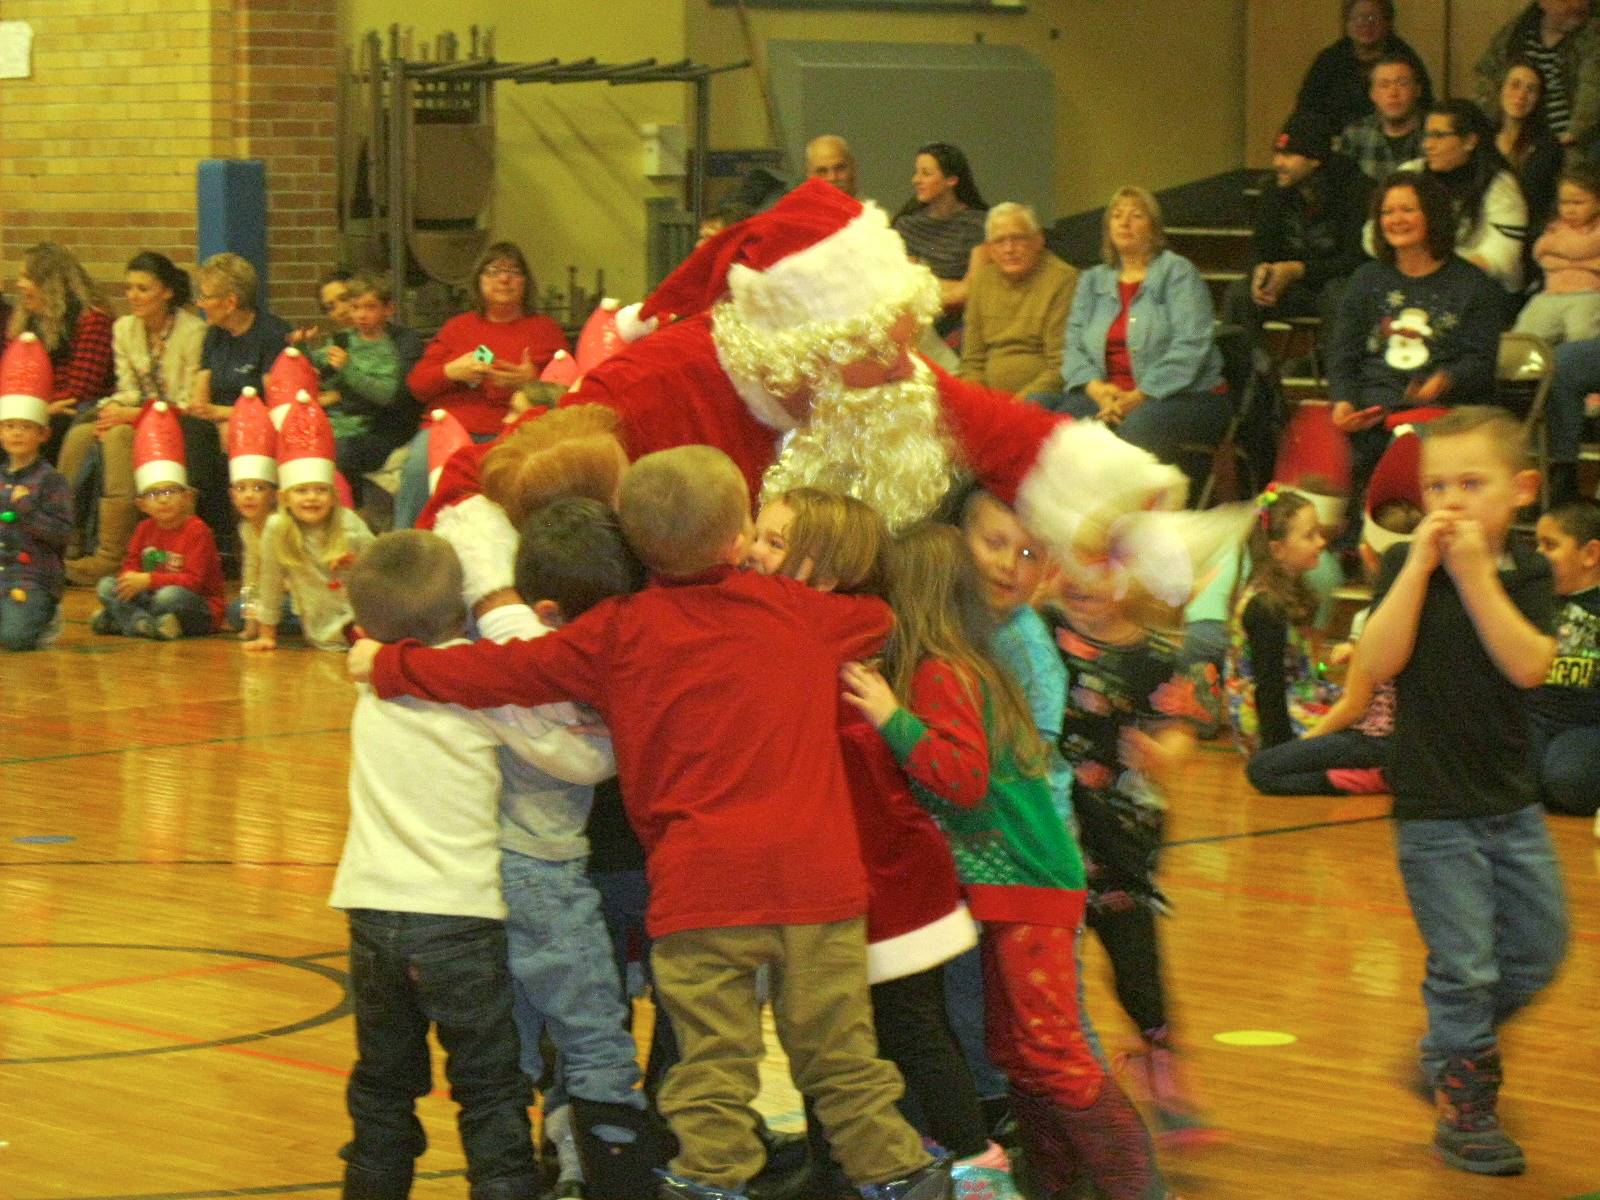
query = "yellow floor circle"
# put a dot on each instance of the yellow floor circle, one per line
(1256, 1037)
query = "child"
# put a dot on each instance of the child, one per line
(962, 730)
(253, 488)
(35, 509)
(310, 542)
(170, 585)
(1567, 309)
(732, 780)
(916, 921)
(1458, 625)
(1344, 751)
(1275, 691)
(417, 879)
(1125, 730)
(1564, 713)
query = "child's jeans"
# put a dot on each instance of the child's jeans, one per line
(409, 971)
(706, 979)
(1561, 316)
(288, 623)
(624, 899)
(565, 981)
(23, 622)
(1566, 766)
(1300, 766)
(1486, 896)
(134, 618)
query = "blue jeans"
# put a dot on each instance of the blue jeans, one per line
(134, 618)
(1577, 374)
(1566, 765)
(564, 981)
(1486, 896)
(624, 899)
(23, 622)
(1163, 426)
(1300, 767)
(411, 496)
(288, 623)
(409, 971)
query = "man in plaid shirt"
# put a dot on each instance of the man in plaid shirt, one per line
(1391, 136)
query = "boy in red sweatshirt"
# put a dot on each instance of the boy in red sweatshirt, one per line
(720, 688)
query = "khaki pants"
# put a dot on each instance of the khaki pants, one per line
(706, 979)
(116, 451)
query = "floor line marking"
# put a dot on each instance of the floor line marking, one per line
(1272, 831)
(156, 746)
(131, 980)
(273, 1189)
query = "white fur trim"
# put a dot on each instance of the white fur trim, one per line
(278, 413)
(253, 466)
(305, 470)
(19, 406)
(842, 276)
(1330, 509)
(163, 470)
(1379, 538)
(484, 540)
(927, 946)
(630, 326)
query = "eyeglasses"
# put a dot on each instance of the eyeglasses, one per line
(251, 488)
(166, 493)
(1435, 135)
(503, 273)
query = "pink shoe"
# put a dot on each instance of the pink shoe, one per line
(1176, 1120)
(1358, 781)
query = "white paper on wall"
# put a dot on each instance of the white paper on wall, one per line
(16, 50)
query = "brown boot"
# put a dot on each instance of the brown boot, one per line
(117, 520)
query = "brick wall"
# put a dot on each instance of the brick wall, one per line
(126, 97)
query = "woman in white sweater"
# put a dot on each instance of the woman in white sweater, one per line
(1458, 150)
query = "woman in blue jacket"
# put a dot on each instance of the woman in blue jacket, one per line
(1139, 353)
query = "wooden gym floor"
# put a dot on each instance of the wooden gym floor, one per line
(174, 1022)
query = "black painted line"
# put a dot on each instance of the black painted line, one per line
(278, 1189)
(1272, 832)
(225, 741)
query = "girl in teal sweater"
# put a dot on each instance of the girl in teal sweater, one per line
(963, 732)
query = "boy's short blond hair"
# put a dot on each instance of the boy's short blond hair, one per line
(681, 508)
(378, 285)
(1505, 433)
(407, 584)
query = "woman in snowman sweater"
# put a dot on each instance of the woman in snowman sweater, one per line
(1418, 329)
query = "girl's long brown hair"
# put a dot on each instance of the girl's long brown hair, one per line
(846, 541)
(1287, 594)
(940, 612)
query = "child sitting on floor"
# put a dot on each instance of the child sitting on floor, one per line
(1564, 714)
(35, 506)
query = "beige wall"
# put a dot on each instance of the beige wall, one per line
(1147, 91)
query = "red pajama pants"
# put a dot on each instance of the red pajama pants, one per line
(1032, 1028)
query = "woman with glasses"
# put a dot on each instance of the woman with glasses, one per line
(477, 361)
(1338, 83)
(156, 351)
(1459, 153)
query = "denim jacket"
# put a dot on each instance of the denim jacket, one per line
(1169, 329)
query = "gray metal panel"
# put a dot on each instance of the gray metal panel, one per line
(888, 98)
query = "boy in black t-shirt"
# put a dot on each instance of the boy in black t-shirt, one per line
(1564, 714)
(1459, 622)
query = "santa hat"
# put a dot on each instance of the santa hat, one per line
(252, 440)
(601, 335)
(815, 255)
(1330, 509)
(562, 370)
(290, 374)
(27, 381)
(158, 449)
(305, 445)
(1396, 477)
(446, 435)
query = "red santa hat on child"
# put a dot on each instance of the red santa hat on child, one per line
(290, 374)
(27, 381)
(252, 440)
(601, 335)
(158, 449)
(562, 369)
(817, 255)
(1396, 477)
(305, 445)
(446, 435)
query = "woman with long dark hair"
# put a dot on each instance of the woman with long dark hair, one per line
(942, 222)
(1525, 141)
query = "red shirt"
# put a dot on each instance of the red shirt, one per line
(481, 409)
(191, 560)
(1119, 363)
(721, 693)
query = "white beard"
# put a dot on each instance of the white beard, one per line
(886, 446)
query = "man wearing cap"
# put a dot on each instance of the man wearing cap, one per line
(1307, 237)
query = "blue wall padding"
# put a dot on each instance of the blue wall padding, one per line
(232, 204)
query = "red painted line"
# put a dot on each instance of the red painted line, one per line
(129, 980)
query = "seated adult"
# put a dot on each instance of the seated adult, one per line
(1307, 238)
(156, 351)
(1338, 83)
(476, 362)
(1563, 43)
(1524, 140)
(942, 223)
(1017, 307)
(829, 159)
(1139, 349)
(1458, 152)
(1392, 133)
(241, 342)
(60, 304)
(1577, 376)
(1418, 328)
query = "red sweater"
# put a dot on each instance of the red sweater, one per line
(192, 561)
(721, 693)
(481, 409)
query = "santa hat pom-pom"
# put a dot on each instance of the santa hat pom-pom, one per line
(631, 327)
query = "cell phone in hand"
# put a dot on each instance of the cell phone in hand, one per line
(484, 355)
